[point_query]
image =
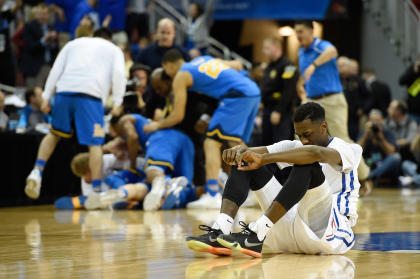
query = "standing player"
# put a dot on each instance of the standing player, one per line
(82, 75)
(233, 119)
(313, 211)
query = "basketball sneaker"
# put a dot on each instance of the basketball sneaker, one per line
(207, 201)
(207, 242)
(173, 197)
(246, 241)
(103, 199)
(33, 184)
(153, 199)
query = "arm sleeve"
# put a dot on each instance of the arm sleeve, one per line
(118, 78)
(55, 73)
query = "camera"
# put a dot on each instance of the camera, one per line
(375, 128)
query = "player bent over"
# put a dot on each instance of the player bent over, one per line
(312, 212)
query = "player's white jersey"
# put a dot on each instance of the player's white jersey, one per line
(92, 66)
(343, 180)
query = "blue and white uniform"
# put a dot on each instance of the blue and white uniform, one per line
(238, 96)
(335, 200)
(169, 150)
(83, 74)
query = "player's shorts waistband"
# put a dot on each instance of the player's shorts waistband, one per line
(78, 94)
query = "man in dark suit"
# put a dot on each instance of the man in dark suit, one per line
(380, 94)
(40, 48)
(411, 79)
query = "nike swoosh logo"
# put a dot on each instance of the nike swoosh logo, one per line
(247, 244)
(212, 239)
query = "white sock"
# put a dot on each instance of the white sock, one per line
(261, 227)
(224, 223)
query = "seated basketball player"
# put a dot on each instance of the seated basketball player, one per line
(312, 212)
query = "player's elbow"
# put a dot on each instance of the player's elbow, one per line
(317, 153)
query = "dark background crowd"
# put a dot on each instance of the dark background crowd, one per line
(32, 33)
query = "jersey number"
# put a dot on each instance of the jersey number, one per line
(212, 68)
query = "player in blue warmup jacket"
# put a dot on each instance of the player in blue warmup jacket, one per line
(233, 120)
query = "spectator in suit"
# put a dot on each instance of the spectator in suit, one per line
(379, 92)
(165, 35)
(411, 79)
(40, 48)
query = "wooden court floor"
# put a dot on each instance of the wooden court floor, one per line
(40, 242)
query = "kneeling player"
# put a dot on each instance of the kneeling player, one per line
(312, 212)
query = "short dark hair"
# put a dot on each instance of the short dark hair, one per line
(139, 66)
(172, 55)
(200, 9)
(402, 106)
(104, 33)
(30, 92)
(306, 23)
(312, 111)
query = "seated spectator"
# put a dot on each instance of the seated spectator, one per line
(380, 148)
(40, 48)
(410, 168)
(3, 116)
(402, 127)
(199, 22)
(379, 92)
(31, 115)
(165, 36)
(411, 79)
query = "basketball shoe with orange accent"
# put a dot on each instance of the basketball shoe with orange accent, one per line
(246, 241)
(208, 242)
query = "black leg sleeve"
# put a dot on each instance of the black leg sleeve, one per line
(240, 182)
(301, 178)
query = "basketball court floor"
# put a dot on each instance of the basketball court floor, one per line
(40, 242)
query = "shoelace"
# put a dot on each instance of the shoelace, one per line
(246, 229)
(207, 228)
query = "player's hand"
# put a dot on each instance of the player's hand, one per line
(233, 156)
(275, 117)
(117, 110)
(253, 160)
(309, 72)
(151, 127)
(45, 106)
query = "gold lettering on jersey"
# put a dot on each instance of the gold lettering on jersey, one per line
(98, 131)
(212, 68)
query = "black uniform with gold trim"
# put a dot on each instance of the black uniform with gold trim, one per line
(278, 91)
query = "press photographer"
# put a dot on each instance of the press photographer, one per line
(380, 149)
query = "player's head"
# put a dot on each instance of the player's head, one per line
(272, 48)
(310, 124)
(103, 33)
(305, 32)
(161, 83)
(80, 166)
(172, 61)
(165, 33)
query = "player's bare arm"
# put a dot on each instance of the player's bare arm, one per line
(129, 130)
(232, 156)
(180, 85)
(301, 156)
(234, 64)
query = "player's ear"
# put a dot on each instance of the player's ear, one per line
(324, 127)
